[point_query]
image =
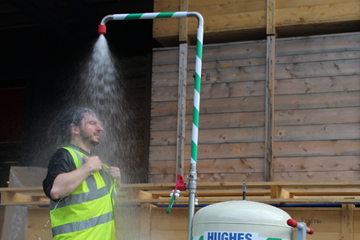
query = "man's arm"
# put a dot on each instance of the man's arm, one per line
(66, 183)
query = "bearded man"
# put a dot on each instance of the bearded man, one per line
(81, 189)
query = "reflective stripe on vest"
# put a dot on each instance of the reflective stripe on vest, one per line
(88, 207)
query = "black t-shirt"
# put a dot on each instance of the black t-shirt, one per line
(62, 162)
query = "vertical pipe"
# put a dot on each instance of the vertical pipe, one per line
(195, 129)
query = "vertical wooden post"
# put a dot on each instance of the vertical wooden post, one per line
(270, 17)
(347, 222)
(183, 22)
(147, 116)
(145, 221)
(180, 143)
(269, 108)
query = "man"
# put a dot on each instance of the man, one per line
(81, 189)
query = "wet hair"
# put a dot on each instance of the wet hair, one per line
(59, 132)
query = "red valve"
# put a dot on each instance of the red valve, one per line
(293, 223)
(180, 184)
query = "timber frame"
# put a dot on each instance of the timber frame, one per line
(208, 193)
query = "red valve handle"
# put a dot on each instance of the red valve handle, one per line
(180, 184)
(293, 223)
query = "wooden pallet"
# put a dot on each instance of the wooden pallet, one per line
(208, 193)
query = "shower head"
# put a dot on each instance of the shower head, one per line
(102, 29)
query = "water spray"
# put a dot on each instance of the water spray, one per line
(196, 110)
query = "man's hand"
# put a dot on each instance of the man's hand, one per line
(115, 173)
(93, 163)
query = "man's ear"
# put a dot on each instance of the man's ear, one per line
(74, 129)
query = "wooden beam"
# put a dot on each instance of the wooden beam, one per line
(181, 113)
(145, 221)
(347, 222)
(183, 22)
(270, 17)
(269, 108)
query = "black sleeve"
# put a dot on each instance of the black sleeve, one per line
(61, 162)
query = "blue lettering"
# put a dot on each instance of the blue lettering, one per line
(240, 236)
(248, 236)
(232, 237)
(224, 236)
(211, 236)
(219, 236)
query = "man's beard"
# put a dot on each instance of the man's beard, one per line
(87, 138)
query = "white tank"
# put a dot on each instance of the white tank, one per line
(241, 220)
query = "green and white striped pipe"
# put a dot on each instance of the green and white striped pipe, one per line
(196, 109)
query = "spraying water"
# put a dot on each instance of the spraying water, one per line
(101, 88)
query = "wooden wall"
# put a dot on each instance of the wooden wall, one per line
(317, 102)
(316, 111)
(230, 20)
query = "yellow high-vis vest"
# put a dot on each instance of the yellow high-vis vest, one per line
(88, 212)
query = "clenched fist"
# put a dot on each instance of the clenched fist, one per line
(93, 163)
(115, 173)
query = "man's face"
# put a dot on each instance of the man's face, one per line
(90, 129)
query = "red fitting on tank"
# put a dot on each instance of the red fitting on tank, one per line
(311, 231)
(292, 223)
(102, 29)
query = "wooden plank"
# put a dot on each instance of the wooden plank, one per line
(318, 85)
(317, 176)
(183, 22)
(279, 192)
(247, 73)
(147, 131)
(327, 56)
(38, 225)
(206, 151)
(210, 177)
(211, 193)
(224, 135)
(347, 221)
(280, 4)
(318, 69)
(256, 103)
(318, 132)
(317, 164)
(253, 185)
(145, 221)
(257, 88)
(213, 52)
(310, 45)
(318, 100)
(225, 63)
(325, 192)
(270, 17)
(317, 148)
(222, 105)
(181, 112)
(245, 119)
(215, 90)
(317, 116)
(239, 165)
(269, 106)
(322, 221)
(334, 12)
